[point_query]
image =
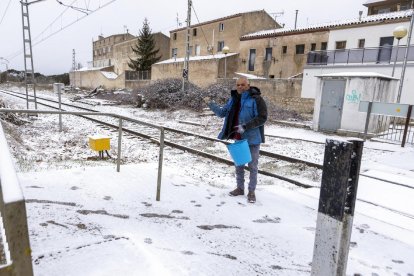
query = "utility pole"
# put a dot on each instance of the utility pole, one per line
(410, 31)
(187, 46)
(29, 78)
(73, 60)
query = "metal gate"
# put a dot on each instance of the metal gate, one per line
(331, 105)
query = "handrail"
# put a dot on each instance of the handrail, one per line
(13, 213)
(120, 117)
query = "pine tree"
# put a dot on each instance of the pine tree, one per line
(145, 50)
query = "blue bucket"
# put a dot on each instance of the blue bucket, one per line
(240, 152)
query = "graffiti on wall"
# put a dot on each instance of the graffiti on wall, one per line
(353, 97)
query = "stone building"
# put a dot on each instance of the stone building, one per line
(110, 62)
(280, 53)
(211, 36)
(207, 61)
(116, 50)
(103, 48)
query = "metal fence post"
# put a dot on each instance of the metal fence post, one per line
(118, 161)
(363, 55)
(328, 236)
(407, 123)
(160, 159)
(57, 87)
(367, 120)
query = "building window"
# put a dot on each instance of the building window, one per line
(220, 46)
(284, 49)
(384, 10)
(340, 45)
(252, 59)
(175, 36)
(268, 54)
(361, 43)
(221, 27)
(313, 46)
(324, 46)
(195, 32)
(405, 6)
(197, 50)
(300, 49)
(174, 52)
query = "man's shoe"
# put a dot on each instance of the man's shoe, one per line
(251, 197)
(236, 192)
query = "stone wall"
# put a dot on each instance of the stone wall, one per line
(137, 84)
(93, 78)
(284, 93)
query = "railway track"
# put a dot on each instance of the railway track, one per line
(174, 132)
(130, 130)
(151, 137)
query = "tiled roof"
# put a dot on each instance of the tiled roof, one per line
(326, 26)
(196, 58)
(368, 2)
(215, 20)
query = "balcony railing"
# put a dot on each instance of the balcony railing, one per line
(377, 55)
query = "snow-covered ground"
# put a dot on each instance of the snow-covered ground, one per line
(87, 219)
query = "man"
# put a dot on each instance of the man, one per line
(245, 114)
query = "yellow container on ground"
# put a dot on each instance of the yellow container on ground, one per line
(99, 142)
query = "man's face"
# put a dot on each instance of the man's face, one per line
(242, 85)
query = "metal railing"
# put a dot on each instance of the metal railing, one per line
(121, 119)
(376, 55)
(15, 236)
(137, 75)
(389, 121)
(393, 129)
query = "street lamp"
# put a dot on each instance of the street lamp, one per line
(399, 32)
(225, 51)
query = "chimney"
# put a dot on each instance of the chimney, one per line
(360, 15)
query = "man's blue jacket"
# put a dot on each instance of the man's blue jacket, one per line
(252, 115)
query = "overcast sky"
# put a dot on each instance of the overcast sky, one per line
(54, 54)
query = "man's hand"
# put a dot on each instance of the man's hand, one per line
(240, 129)
(207, 100)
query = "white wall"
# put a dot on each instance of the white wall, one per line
(310, 85)
(356, 90)
(371, 34)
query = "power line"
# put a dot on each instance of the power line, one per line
(204, 35)
(57, 18)
(4, 14)
(16, 54)
(75, 8)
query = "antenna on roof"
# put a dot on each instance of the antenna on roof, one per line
(276, 15)
(296, 18)
(178, 22)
